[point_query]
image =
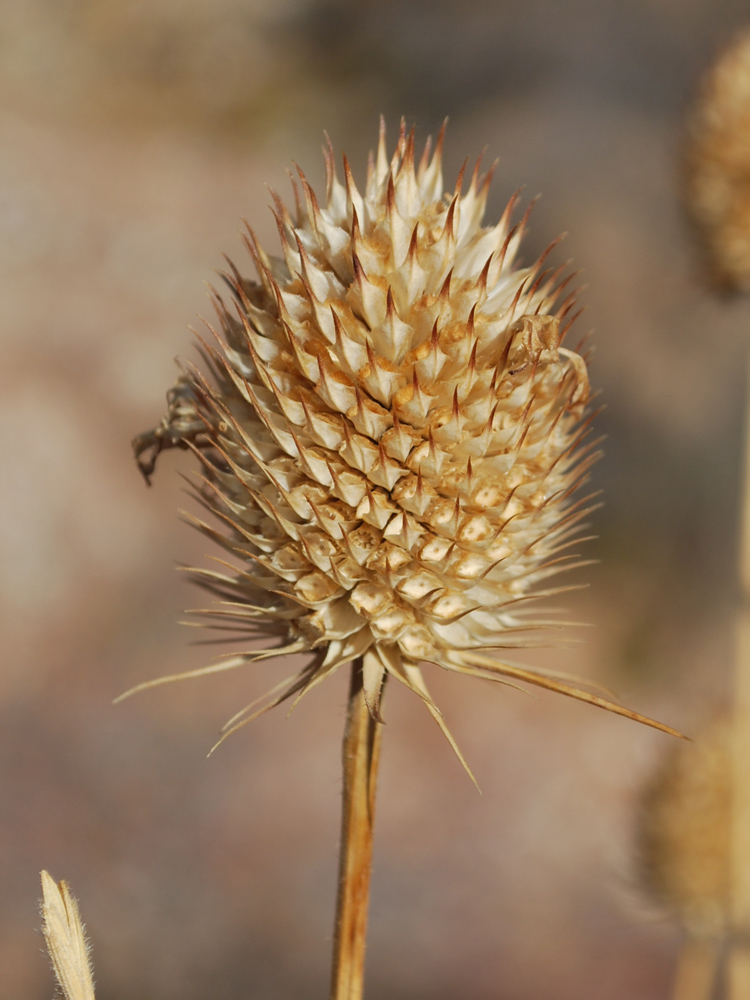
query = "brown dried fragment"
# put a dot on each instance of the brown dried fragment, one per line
(181, 424)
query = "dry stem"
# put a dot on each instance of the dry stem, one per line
(360, 758)
(739, 945)
(738, 972)
(697, 969)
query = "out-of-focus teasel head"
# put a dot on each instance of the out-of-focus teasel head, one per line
(685, 829)
(391, 434)
(717, 166)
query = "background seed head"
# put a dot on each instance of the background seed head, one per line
(389, 430)
(717, 165)
(684, 831)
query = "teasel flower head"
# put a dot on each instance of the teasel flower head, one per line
(717, 165)
(391, 434)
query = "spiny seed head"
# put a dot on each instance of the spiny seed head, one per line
(390, 432)
(717, 165)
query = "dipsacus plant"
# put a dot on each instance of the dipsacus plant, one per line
(717, 165)
(390, 434)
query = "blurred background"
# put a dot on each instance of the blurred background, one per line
(133, 138)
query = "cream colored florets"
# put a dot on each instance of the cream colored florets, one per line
(390, 432)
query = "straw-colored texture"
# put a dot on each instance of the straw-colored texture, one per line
(361, 753)
(66, 941)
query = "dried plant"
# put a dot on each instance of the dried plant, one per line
(698, 821)
(66, 941)
(717, 165)
(684, 832)
(684, 848)
(390, 433)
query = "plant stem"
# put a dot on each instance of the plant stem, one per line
(360, 758)
(738, 972)
(697, 969)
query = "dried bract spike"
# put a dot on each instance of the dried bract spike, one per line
(391, 435)
(66, 940)
(717, 166)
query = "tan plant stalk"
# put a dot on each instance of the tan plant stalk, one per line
(361, 752)
(390, 432)
(697, 968)
(739, 952)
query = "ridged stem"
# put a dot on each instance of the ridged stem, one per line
(360, 759)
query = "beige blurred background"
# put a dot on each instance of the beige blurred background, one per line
(133, 138)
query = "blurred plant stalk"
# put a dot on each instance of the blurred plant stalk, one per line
(696, 969)
(361, 753)
(738, 971)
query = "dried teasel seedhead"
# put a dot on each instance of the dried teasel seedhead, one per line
(684, 832)
(391, 433)
(717, 166)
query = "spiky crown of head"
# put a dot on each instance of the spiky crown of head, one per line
(390, 432)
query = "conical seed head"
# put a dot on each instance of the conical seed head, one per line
(389, 430)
